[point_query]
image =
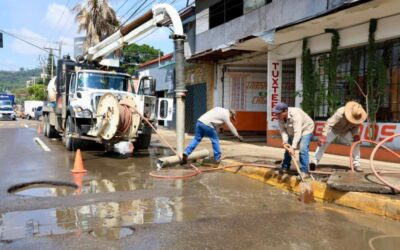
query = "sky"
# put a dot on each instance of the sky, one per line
(46, 22)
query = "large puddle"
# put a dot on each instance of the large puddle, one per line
(203, 199)
(110, 220)
(45, 190)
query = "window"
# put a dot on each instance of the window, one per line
(217, 14)
(224, 11)
(288, 82)
(73, 84)
(352, 63)
(233, 9)
(89, 80)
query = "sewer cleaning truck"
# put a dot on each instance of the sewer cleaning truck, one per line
(91, 98)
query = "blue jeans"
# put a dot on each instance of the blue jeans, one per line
(303, 153)
(201, 131)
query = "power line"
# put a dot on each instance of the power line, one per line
(121, 6)
(59, 19)
(136, 11)
(25, 41)
(129, 10)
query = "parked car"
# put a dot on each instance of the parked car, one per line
(7, 113)
(38, 112)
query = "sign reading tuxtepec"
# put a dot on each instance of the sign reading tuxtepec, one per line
(274, 92)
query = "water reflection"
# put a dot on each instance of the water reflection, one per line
(110, 220)
(39, 190)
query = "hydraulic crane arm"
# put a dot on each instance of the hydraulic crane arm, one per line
(135, 29)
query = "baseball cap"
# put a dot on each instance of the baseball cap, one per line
(280, 106)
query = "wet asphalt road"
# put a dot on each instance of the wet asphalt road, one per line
(120, 207)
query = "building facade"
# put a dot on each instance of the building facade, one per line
(257, 48)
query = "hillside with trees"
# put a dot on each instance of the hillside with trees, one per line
(11, 80)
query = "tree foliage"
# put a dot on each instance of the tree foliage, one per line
(10, 80)
(37, 92)
(21, 94)
(97, 18)
(50, 65)
(134, 54)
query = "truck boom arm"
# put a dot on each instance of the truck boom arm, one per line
(135, 29)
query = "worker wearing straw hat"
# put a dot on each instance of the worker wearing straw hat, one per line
(345, 124)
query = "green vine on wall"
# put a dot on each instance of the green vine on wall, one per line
(308, 90)
(377, 77)
(333, 97)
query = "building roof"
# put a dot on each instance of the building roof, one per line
(155, 61)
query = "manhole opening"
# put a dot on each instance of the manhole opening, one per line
(112, 233)
(44, 189)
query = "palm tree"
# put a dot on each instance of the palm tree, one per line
(97, 18)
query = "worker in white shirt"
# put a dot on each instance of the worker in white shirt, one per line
(207, 125)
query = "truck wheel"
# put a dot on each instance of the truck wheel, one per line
(50, 130)
(71, 144)
(144, 139)
(44, 125)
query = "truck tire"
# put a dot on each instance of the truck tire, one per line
(70, 143)
(44, 125)
(51, 132)
(144, 139)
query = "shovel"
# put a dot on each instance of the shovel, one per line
(306, 192)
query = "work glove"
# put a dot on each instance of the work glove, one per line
(239, 138)
(321, 141)
(356, 138)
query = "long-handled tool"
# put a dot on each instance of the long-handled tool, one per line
(306, 192)
(290, 151)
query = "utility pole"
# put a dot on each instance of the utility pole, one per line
(52, 59)
(60, 43)
(180, 92)
(42, 62)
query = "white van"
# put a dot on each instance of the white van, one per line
(30, 107)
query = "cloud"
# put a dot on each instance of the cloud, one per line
(59, 17)
(67, 46)
(24, 48)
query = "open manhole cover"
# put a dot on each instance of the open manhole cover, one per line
(44, 189)
(112, 233)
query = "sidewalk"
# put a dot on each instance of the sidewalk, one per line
(237, 152)
(254, 151)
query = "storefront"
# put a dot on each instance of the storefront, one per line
(351, 76)
(242, 86)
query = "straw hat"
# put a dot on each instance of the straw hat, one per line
(354, 113)
(233, 114)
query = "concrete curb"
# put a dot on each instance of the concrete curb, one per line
(385, 205)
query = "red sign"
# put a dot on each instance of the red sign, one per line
(275, 88)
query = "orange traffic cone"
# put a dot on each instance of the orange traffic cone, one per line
(39, 129)
(78, 177)
(78, 164)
